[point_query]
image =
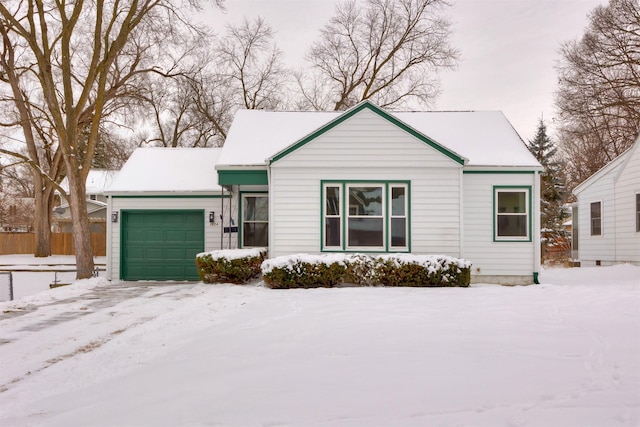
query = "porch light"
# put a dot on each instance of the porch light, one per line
(212, 217)
(114, 216)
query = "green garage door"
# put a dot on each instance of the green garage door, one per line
(161, 245)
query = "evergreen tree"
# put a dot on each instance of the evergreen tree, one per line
(552, 187)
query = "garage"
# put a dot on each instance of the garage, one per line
(161, 244)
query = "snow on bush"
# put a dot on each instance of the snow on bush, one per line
(231, 265)
(326, 270)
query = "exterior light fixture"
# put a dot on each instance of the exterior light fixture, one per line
(212, 217)
(114, 216)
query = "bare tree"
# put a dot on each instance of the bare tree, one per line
(84, 58)
(35, 124)
(598, 95)
(176, 114)
(252, 65)
(388, 51)
(195, 108)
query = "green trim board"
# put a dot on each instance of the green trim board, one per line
(243, 177)
(200, 196)
(342, 184)
(499, 172)
(160, 244)
(526, 188)
(377, 110)
(240, 217)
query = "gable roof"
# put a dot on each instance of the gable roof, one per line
(614, 165)
(92, 206)
(632, 152)
(483, 138)
(168, 170)
(97, 181)
(369, 106)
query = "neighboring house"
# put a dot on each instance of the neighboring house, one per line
(606, 217)
(16, 213)
(97, 181)
(366, 180)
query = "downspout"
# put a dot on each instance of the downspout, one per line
(271, 210)
(536, 226)
(461, 209)
(109, 235)
(222, 218)
(231, 213)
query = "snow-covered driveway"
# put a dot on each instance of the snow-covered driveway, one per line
(565, 353)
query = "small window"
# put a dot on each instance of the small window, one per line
(332, 218)
(512, 220)
(637, 212)
(399, 221)
(255, 221)
(596, 218)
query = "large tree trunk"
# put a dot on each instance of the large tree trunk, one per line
(81, 230)
(42, 217)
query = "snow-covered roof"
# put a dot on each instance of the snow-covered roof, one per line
(97, 181)
(485, 138)
(168, 170)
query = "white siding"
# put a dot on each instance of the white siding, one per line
(627, 185)
(365, 147)
(602, 247)
(491, 258)
(212, 238)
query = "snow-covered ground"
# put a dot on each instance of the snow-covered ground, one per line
(29, 283)
(564, 353)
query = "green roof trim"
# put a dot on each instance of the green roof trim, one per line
(243, 177)
(377, 110)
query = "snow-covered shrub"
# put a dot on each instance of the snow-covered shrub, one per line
(361, 270)
(309, 271)
(230, 266)
(303, 271)
(422, 270)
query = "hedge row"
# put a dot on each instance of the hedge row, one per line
(328, 270)
(230, 266)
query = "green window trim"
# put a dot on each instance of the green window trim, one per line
(529, 214)
(344, 216)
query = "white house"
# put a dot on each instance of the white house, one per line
(606, 216)
(365, 180)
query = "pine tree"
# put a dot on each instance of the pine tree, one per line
(552, 188)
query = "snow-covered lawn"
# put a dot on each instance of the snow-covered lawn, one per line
(564, 353)
(29, 283)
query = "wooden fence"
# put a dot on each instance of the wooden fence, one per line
(61, 243)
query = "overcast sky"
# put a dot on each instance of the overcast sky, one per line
(508, 47)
